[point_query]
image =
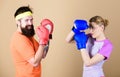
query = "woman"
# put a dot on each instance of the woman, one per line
(98, 47)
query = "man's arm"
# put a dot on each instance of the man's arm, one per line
(43, 35)
(35, 61)
(46, 49)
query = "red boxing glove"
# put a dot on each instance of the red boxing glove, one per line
(43, 35)
(49, 25)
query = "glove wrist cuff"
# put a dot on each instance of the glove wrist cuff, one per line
(75, 30)
(81, 46)
(43, 42)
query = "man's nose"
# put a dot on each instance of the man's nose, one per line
(30, 23)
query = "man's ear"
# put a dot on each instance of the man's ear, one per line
(17, 22)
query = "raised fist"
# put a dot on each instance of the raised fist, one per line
(49, 25)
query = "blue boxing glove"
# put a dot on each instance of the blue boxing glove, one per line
(81, 40)
(79, 25)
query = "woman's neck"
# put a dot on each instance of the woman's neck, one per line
(100, 38)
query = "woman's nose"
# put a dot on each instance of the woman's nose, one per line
(91, 31)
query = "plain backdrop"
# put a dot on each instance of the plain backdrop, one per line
(63, 59)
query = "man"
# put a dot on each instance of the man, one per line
(26, 51)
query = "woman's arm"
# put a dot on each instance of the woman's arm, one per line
(69, 37)
(90, 61)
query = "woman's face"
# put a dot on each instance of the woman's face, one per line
(96, 30)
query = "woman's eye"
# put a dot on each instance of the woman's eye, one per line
(91, 27)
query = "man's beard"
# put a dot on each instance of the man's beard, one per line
(29, 32)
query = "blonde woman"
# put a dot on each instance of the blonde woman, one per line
(95, 47)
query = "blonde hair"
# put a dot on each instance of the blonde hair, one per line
(98, 20)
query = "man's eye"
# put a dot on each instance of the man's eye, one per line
(26, 20)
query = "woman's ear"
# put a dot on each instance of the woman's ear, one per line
(102, 26)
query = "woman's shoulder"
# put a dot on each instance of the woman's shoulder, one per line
(108, 42)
